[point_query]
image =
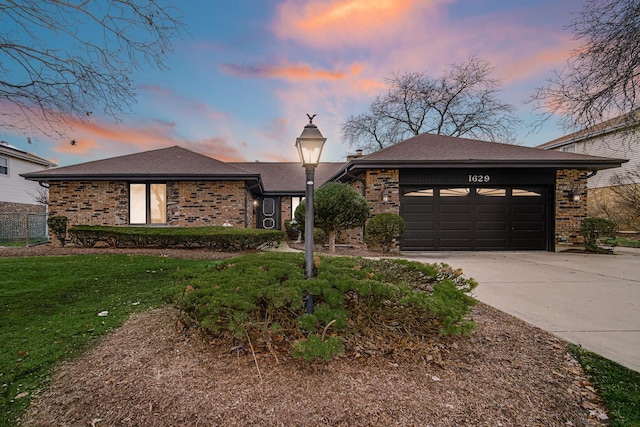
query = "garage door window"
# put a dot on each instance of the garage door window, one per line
(492, 192)
(427, 192)
(520, 192)
(454, 192)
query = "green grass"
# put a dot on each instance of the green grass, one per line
(622, 241)
(618, 386)
(22, 242)
(49, 312)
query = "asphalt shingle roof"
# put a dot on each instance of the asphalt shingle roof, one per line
(173, 162)
(288, 178)
(433, 150)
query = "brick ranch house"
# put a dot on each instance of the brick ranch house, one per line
(453, 193)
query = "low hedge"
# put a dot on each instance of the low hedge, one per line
(217, 238)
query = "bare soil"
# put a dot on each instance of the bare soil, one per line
(155, 371)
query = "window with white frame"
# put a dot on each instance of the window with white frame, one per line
(147, 203)
(4, 166)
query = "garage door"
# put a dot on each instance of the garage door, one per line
(474, 218)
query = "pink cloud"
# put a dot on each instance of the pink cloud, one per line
(341, 23)
(120, 139)
(289, 72)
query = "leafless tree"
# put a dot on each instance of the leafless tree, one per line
(462, 102)
(41, 196)
(601, 79)
(61, 59)
(627, 186)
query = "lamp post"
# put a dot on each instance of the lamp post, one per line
(309, 146)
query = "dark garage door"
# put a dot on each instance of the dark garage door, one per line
(474, 218)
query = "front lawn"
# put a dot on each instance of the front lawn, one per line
(51, 308)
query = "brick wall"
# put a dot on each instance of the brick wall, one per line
(210, 203)
(13, 208)
(568, 213)
(376, 182)
(90, 202)
(189, 204)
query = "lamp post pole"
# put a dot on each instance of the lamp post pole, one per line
(309, 146)
(308, 234)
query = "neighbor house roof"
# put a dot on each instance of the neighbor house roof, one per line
(10, 150)
(440, 151)
(175, 163)
(622, 123)
(289, 178)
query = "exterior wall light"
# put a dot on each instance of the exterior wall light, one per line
(385, 195)
(574, 195)
(309, 146)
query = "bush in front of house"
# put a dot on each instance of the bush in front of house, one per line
(336, 207)
(594, 229)
(384, 230)
(58, 226)
(217, 238)
(258, 298)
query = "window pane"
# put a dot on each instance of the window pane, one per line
(427, 192)
(4, 170)
(454, 192)
(158, 203)
(522, 192)
(295, 201)
(492, 192)
(137, 204)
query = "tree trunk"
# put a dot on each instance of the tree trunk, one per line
(332, 240)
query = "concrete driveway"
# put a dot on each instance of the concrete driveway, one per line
(591, 300)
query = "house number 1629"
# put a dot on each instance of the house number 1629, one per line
(479, 178)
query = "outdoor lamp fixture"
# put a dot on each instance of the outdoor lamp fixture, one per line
(309, 146)
(385, 195)
(574, 195)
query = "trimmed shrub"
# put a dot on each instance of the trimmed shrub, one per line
(58, 226)
(336, 207)
(262, 296)
(594, 229)
(384, 230)
(218, 238)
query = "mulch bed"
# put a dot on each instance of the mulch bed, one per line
(154, 371)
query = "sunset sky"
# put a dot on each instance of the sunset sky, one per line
(241, 82)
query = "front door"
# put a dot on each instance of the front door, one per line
(269, 213)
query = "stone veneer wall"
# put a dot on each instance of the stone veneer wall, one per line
(569, 214)
(189, 204)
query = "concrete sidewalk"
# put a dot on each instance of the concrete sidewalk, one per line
(591, 300)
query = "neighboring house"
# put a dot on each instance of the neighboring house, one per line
(608, 139)
(454, 193)
(16, 193)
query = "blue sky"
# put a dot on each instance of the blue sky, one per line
(240, 83)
